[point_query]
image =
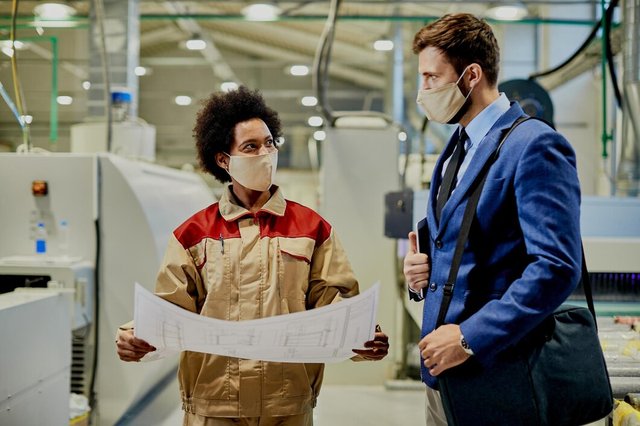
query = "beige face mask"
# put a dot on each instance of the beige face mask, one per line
(254, 171)
(442, 103)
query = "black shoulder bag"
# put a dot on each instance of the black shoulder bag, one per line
(555, 376)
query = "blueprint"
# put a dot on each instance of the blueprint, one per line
(325, 334)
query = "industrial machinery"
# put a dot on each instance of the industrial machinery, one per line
(95, 224)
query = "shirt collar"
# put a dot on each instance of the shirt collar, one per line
(231, 210)
(478, 128)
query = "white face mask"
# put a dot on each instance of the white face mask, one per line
(254, 171)
(442, 103)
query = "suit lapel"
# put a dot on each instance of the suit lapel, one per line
(484, 152)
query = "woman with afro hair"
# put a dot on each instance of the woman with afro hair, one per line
(251, 255)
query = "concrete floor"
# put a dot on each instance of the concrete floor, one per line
(353, 405)
(341, 405)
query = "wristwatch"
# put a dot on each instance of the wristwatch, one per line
(465, 345)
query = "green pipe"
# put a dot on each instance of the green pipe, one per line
(606, 137)
(81, 21)
(53, 114)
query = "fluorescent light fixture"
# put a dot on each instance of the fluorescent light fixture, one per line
(86, 85)
(53, 15)
(261, 12)
(309, 101)
(140, 71)
(7, 51)
(17, 44)
(227, 86)
(195, 44)
(299, 70)
(402, 136)
(383, 45)
(27, 118)
(183, 100)
(319, 135)
(315, 121)
(507, 12)
(64, 100)
(54, 11)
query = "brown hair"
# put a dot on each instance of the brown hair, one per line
(464, 40)
(216, 121)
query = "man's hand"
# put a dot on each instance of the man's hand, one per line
(441, 349)
(416, 266)
(130, 348)
(379, 347)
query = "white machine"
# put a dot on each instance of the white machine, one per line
(35, 357)
(107, 222)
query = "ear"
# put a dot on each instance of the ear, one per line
(474, 75)
(222, 160)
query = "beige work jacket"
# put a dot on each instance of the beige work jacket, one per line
(227, 263)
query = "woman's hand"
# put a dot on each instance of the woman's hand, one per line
(378, 348)
(129, 347)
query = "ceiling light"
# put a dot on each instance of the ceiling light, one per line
(140, 71)
(27, 118)
(402, 136)
(86, 85)
(53, 11)
(183, 100)
(315, 121)
(383, 45)
(7, 51)
(64, 100)
(319, 135)
(228, 86)
(299, 70)
(195, 43)
(17, 44)
(309, 101)
(261, 12)
(507, 12)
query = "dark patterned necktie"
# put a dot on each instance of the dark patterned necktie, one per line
(448, 181)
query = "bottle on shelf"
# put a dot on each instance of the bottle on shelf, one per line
(63, 235)
(41, 239)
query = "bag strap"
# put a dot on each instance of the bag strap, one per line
(467, 220)
(465, 228)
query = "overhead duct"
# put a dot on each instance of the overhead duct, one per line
(628, 178)
(121, 25)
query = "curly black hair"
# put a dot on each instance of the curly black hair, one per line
(217, 119)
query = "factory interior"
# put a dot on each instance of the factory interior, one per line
(98, 162)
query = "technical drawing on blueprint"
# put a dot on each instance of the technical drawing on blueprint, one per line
(326, 334)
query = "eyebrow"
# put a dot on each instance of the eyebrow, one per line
(254, 140)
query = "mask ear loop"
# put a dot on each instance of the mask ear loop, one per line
(460, 78)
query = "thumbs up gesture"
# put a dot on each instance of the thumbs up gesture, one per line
(416, 266)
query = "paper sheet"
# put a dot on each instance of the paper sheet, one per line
(325, 334)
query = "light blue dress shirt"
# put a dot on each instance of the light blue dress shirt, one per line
(478, 129)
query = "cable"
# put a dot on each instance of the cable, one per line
(17, 87)
(612, 67)
(322, 60)
(582, 47)
(96, 310)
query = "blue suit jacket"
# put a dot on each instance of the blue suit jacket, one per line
(523, 257)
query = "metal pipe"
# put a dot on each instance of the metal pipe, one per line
(628, 177)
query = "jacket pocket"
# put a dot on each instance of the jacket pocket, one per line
(493, 185)
(286, 380)
(294, 265)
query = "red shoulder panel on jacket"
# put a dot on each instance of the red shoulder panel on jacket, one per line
(207, 223)
(298, 221)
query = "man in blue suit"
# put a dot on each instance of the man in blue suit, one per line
(523, 256)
